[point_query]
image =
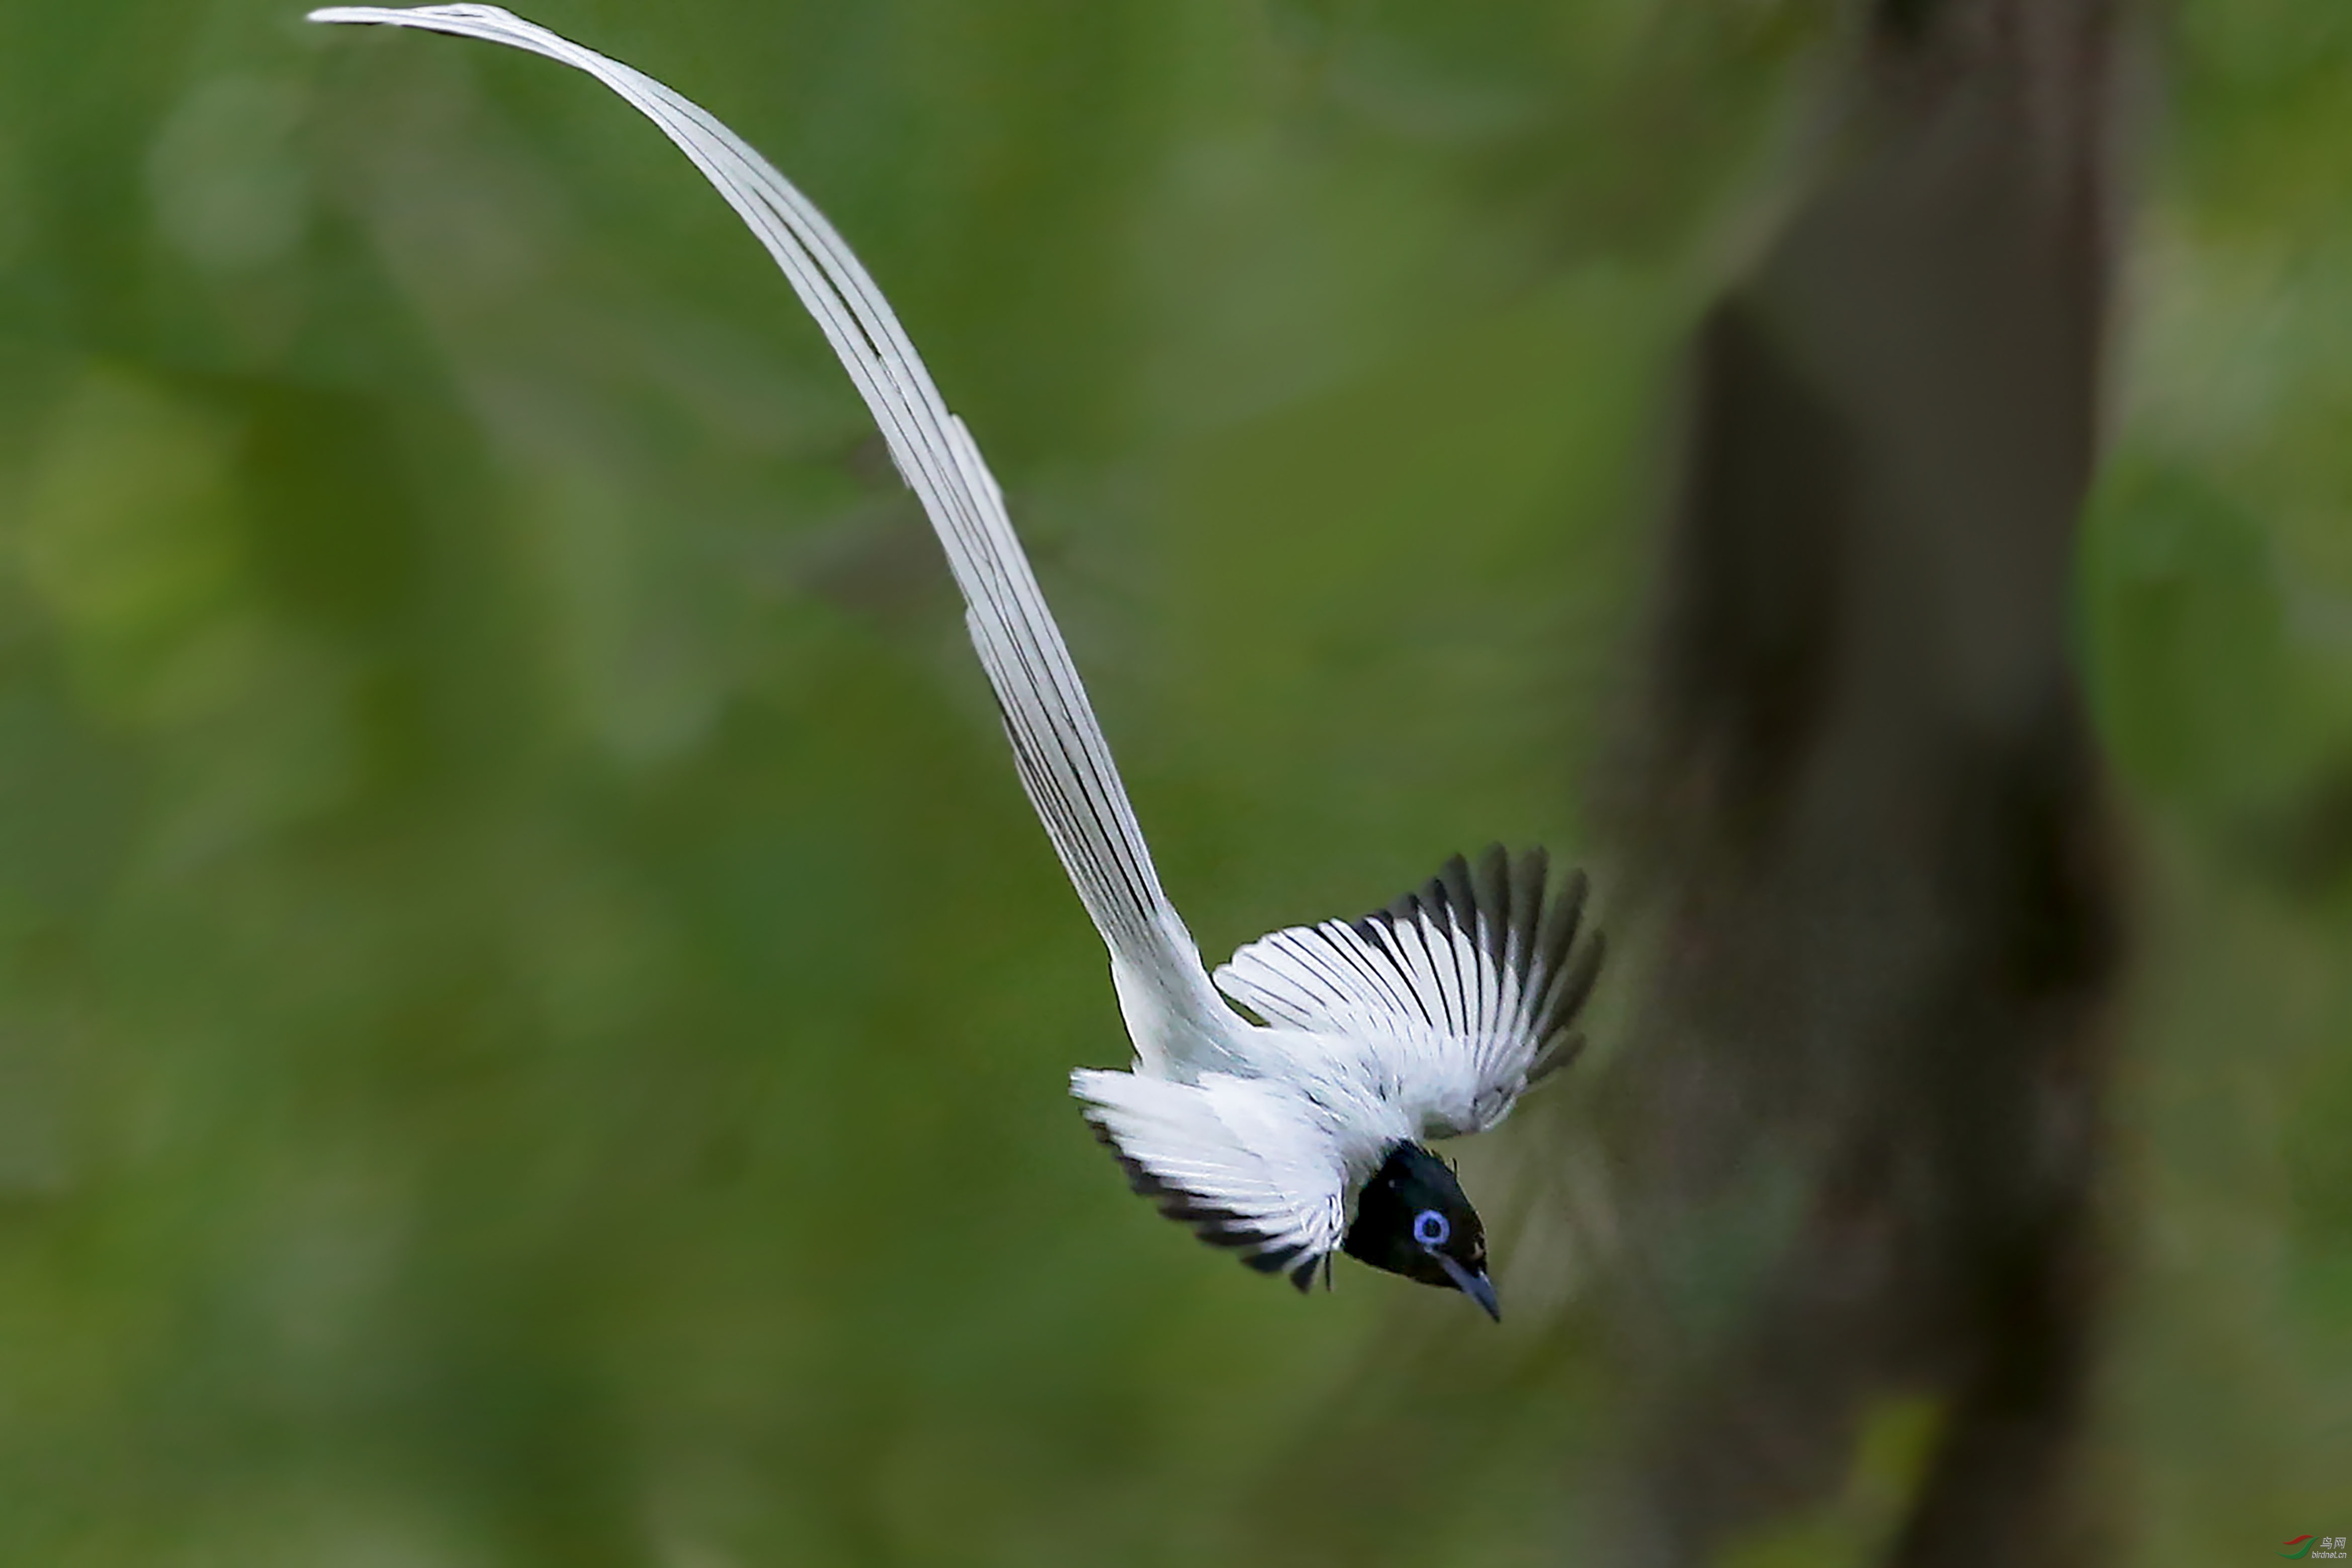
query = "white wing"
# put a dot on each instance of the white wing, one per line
(1458, 995)
(1064, 761)
(1247, 1162)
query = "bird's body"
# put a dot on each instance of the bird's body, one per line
(1291, 1134)
(1424, 1020)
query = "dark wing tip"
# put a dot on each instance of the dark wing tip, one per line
(1274, 1259)
(1572, 983)
(1561, 1050)
(1529, 925)
(1563, 912)
(1453, 897)
(1213, 1225)
(1514, 897)
(1492, 888)
(1460, 894)
(1526, 901)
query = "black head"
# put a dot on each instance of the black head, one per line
(1414, 1220)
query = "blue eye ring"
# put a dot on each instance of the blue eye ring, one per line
(1430, 1228)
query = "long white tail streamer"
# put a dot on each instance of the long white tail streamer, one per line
(1058, 746)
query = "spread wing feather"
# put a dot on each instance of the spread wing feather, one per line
(1244, 1162)
(1463, 990)
(1058, 746)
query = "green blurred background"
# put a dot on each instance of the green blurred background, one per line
(533, 1015)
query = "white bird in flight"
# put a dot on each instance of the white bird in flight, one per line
(1295, 1133)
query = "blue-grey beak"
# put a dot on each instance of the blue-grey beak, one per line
(1477, 1287)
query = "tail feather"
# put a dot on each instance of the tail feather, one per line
(1064, 761)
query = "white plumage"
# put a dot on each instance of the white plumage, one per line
(1426, 1019)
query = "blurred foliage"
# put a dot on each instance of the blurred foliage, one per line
(533, 1012)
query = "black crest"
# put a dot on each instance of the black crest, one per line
(1415, 1220)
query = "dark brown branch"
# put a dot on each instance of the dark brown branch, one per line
(1870, 814)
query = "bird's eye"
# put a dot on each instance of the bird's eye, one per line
(1430, 1229)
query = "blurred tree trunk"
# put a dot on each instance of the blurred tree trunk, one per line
(1870, 1053)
